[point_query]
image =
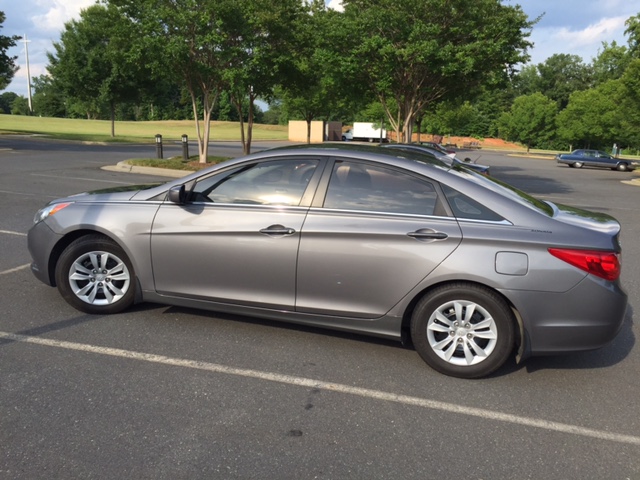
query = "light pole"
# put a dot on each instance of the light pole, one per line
(26, 52)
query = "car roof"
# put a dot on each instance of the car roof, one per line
(350, 149)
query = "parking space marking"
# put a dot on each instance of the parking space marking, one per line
(9, 232)
(333, 387)
(17, 269)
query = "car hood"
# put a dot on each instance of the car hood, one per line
(596, 221)
(112, 194)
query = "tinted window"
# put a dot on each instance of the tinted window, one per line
(280, 182)
(355, 186)
(466, 207)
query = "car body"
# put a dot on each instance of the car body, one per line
(349, 237)
(595, 158)
(449, 159)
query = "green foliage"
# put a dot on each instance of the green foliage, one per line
(6, 99)
(8, 66)
(628, 105)
(20, 106)
(417, 52)
(94, 64)
(610, 63)
(531, 120)
(48, 99)
(633, 32)
(556, 78)
(592, 118)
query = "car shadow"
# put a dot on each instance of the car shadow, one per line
(604, 357)
(53, 327)
(265, 322)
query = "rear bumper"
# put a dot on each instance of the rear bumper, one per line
(587, 317)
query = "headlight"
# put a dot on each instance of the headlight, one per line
(49, 210)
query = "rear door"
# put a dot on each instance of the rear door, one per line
(373, 237)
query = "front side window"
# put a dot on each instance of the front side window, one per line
(277, 182)
(359, 186)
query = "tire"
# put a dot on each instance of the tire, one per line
(622, 167)
(577, 164)
(457, 345)
(94, 275)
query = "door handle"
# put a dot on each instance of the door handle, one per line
(277, 230)
(427, 234)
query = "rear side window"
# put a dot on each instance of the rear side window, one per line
(466, 207)
(359, 186)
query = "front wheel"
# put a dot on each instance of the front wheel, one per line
(622, 167)
(94, 275)
(577, 164)
(463, 330)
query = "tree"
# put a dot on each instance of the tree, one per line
(191, 41)
(8, 66)
(633, 32)
(610, 63)
(562, 74)
(6, 99)
(531, 120)
(262, 45)
(20, 106)
(628, 104)
(417, 52)
(94, 63)
(48, 99)
(592, 117)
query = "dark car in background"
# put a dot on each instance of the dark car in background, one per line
(595, 158)
(357, 238)
(443, 157)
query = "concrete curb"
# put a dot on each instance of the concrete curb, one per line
(162, 172)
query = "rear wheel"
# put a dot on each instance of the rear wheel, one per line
(622, 167)
(94, 275)
(577, 164)
(463, 330)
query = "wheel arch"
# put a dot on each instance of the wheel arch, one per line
(520, 338)
(71, 237)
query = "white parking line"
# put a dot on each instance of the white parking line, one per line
(333, 387)
(17, 269)
(9, 232)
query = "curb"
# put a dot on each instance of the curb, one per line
(162, 172)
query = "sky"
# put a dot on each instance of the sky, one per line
(576, 27)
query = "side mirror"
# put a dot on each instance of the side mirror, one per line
(178, 195)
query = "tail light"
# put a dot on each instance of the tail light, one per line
(601, 264)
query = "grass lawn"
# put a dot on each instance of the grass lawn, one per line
(100, 130)
(177, 163)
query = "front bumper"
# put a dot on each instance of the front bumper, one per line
(41, 241)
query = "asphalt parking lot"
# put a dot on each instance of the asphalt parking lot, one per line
(165, 393)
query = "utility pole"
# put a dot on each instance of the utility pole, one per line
(26, 52)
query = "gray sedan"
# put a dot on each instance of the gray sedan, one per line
(595, 158)
(356, 238)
